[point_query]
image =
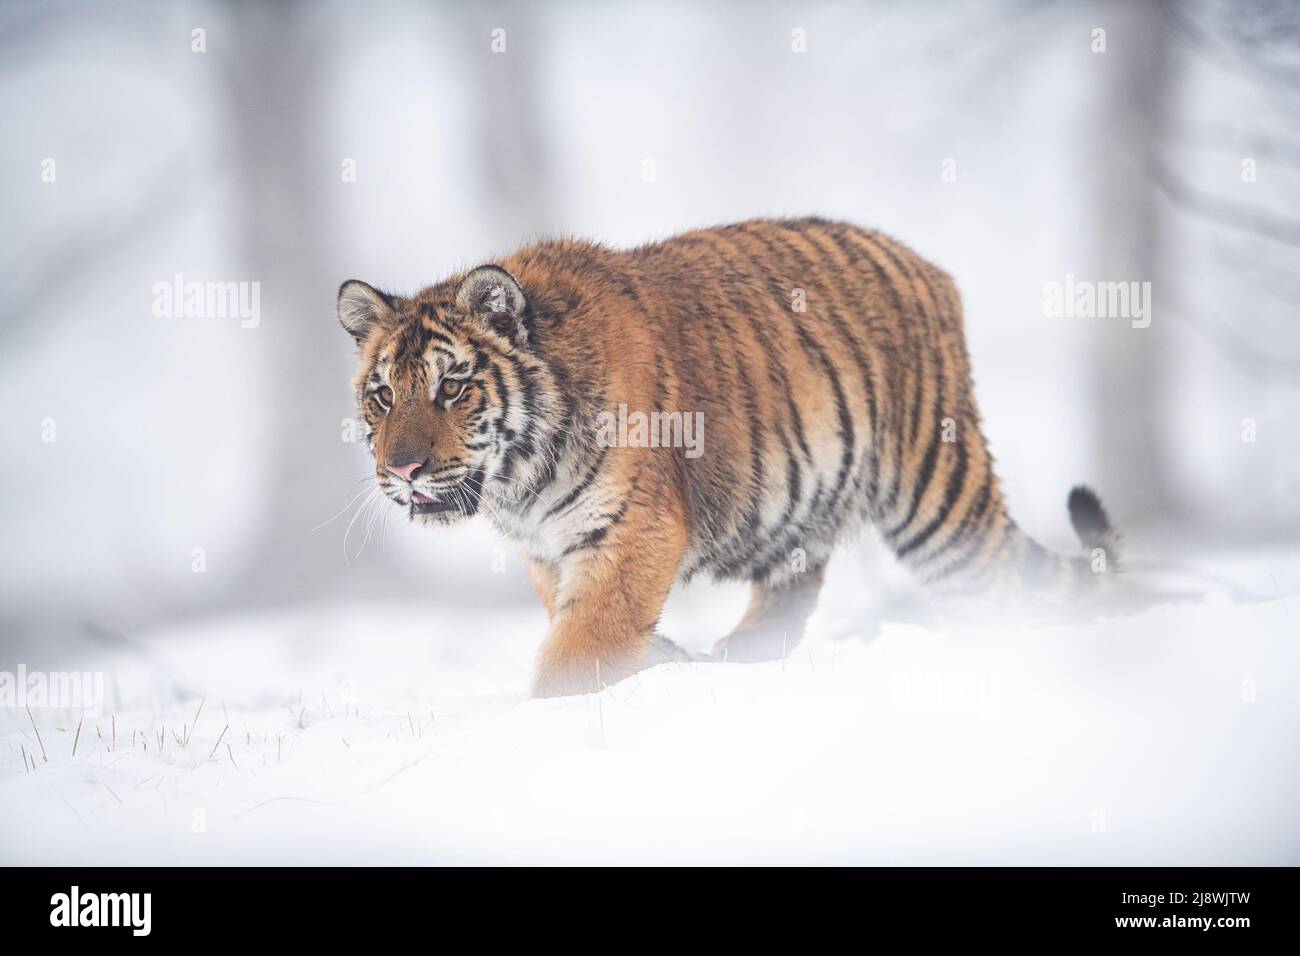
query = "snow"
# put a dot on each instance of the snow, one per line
(402, 734)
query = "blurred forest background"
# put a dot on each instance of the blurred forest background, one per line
(166, 468)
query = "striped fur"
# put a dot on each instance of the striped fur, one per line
(857, 409)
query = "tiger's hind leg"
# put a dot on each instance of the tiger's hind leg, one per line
(774, 621)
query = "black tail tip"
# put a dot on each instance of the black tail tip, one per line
(1088, 516)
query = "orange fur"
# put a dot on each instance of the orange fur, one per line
(826, 365)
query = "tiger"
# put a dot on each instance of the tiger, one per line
(825, 365)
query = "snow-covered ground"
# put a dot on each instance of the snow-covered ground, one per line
(354, 734)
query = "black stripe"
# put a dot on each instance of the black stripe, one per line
(956, 485)
(919, 486)
(779, 379)
(841, 238)
(745, 525)
(842, 411)
(865, 366)
(978, 538)
(718, 517)
(777, 547)
(779, 293)
(927, 465)
(581, 487)
(974, 515)
(597, 535)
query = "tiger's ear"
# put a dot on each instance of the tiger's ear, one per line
(493, 295)
(362, 307)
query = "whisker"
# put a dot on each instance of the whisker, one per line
(374, 518)
(341, 511)
(347, 533)
(383, 531)
(492, 476)
(495, 514)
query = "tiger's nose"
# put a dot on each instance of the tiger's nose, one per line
(407, 471)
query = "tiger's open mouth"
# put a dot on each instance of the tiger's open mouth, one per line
(424, 505)
(463, 498)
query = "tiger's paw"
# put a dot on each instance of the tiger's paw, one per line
(562, 673)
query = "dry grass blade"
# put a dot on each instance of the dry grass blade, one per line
(202, 701)
(218, 743)
(44, 755)
(77, 736)
(74, 811)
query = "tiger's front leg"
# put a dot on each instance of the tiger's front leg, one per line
(609, 597)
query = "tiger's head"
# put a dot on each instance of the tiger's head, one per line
(456, 406)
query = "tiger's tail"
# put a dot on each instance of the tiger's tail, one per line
(1092, 525)
(1013, 565)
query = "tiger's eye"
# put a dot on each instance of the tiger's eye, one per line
(385, 396)
(450, 388)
